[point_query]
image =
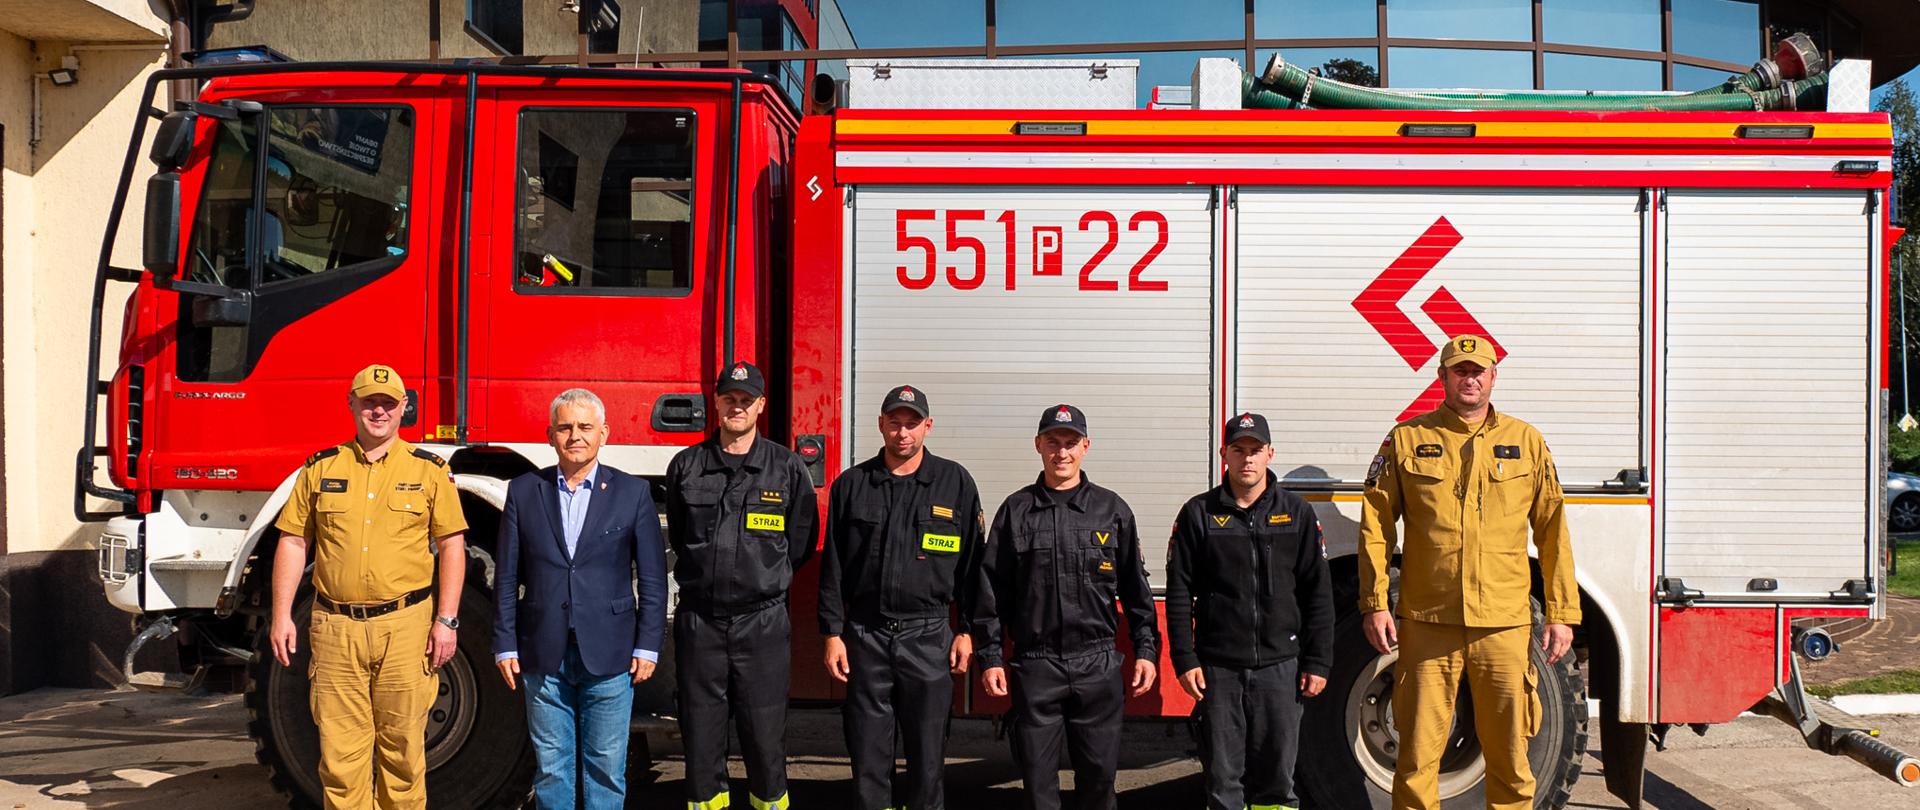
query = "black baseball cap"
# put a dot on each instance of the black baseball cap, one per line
(1063, 417)
(1247, 425)
(741, 376)
(908, 397)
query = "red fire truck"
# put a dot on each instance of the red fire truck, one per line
(1692, 306)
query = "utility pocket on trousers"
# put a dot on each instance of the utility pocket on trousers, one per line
(1533, 700)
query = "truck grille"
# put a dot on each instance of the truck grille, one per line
(136, 390)
(119, 558)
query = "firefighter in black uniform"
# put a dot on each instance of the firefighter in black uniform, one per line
(1249, 621)
(740, 518)
(903, 541)
(1060, 551)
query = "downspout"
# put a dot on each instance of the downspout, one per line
(731, 230)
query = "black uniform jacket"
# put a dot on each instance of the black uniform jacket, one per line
(738, 535)
(1051, 574)
(1249, 587)
(909, 562)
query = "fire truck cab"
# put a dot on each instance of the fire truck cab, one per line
(1662, 286)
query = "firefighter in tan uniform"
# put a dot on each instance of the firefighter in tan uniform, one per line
(1468, 482)
(380, 629)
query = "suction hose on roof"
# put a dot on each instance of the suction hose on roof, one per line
(1794, 78)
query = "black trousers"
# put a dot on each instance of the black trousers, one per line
(738, 665)
(1071, 701)
(899, 681)
(1250, 735)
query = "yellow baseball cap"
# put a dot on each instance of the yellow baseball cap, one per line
(379, 379)
(1467, 348)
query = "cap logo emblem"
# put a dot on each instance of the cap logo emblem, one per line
(739, 373)
(1063, 415)
(1467, 344)
(906, 395)
(379, 375)
(1246, 421)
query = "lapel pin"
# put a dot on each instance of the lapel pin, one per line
(603, 486)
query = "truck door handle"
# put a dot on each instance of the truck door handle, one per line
(680, 413)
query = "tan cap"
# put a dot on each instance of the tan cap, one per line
(379, 379)
(1466, 348)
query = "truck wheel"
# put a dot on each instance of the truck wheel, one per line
(478, 754)
(1347, 760)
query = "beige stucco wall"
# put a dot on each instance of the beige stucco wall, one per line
(58, 193)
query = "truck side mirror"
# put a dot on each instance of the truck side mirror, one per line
(173, 140)
(160, 243)
(233, 309)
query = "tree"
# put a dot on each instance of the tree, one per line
(1351, 71)
(1901, 106)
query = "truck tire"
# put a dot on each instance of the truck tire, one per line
(1346, 756)
(478, 754)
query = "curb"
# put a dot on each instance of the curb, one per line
(1876, 704)
(1857, 705)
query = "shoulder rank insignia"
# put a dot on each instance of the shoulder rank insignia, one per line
(430, 456)
(772, 496)
(1102, 538)
(1221, 520)
(327, 453)
(1428, 451)
(1506, 451)
(943, 512)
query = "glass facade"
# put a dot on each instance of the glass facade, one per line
(1604, 45)
(1629, 24)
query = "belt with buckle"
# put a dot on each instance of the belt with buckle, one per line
(362, 612)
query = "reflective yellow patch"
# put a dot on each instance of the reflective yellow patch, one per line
(763, 522)
(943, 543)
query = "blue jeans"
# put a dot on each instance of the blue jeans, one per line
(579, 723)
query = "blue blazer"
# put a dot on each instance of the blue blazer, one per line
(591, 590)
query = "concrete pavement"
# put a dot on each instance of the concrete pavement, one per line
(86, 749)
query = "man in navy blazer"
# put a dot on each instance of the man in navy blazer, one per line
(574, 540)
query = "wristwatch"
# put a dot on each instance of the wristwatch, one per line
(452, 622)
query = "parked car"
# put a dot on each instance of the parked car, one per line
(1903, 503)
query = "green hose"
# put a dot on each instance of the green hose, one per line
(1291, 88)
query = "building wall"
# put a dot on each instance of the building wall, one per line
(54, 198)
(398, 29)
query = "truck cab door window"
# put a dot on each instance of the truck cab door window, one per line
(295, 215)
(605, 202)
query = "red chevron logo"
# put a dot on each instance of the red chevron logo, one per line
(1379, 305)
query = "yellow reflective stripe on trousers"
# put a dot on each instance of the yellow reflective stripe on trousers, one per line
(720, 801)
(1271, 807)
(776, 804)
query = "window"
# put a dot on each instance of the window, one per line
(316, 192)
(1023, 22)
(1446, 68)
(1566, 71)
(1292, 19)
(335, 190)
(606, 202)
(1723, 30)
(1633, 24)
(1690, 77)
(498, 24)
(336, 182)
(1461, 19)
